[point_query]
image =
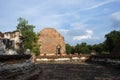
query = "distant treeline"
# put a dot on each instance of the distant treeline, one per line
(109, 46)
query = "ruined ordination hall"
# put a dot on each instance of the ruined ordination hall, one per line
(51, 42)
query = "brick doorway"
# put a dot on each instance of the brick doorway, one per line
(58, 49)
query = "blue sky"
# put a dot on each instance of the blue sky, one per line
(77, 20)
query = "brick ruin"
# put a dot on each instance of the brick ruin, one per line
(51, 42)
(11, 41)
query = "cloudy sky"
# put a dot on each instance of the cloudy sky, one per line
(77, 20)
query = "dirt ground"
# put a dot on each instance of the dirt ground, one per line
(67, 71)
(77, 72)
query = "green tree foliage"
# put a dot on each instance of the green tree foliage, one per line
(73, 50)
(68, 49)
(111, 40)
(27, 32)
(36, 46)
(82, 48)
(108, 46)
(99, 48)
(77, 48)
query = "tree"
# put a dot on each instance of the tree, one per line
(68, 49)
(111, 40)
(73, 49)
(116, 49)
(27, 32)
(90, 47)
(84, 48)
(99, 48)
(77, 48)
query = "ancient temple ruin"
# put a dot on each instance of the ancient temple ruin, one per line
(51, 42)
(11, 43)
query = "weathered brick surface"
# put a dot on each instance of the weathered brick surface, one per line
(51, 41)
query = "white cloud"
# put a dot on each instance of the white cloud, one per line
(115, 19)
(99, 4)
(116, 15)
(63, 30)
(88, 35)
(89, 32)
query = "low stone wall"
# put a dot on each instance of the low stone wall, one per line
(77, 58)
